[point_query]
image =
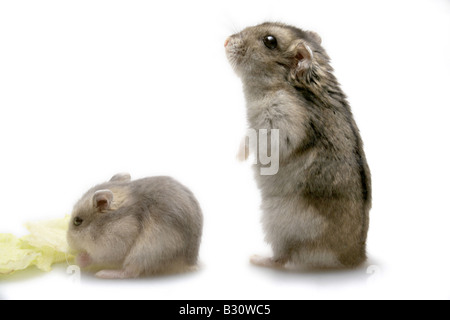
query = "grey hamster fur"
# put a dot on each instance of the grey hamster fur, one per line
(133, 228)
(316, 208)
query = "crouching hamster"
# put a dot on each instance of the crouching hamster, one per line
(134, 228)
(316, 207)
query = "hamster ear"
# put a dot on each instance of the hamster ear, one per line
(303, 60)
(315, 36)
(102, 200)
(121, 177)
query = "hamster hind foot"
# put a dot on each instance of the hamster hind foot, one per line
(267, 262)
(116, 274)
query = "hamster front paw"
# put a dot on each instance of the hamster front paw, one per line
(83, 260)
(244, 151)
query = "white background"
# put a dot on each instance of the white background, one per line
(91, 88)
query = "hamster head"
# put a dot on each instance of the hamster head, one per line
(93, 212)
(86, 213)
(276, 52)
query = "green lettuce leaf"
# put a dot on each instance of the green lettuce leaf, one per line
(44, 246)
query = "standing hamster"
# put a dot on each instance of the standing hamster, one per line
(316, 206)
(133, 228)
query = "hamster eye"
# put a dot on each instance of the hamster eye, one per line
(270, 42)
(77, 221)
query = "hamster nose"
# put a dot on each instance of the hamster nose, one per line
(227, 42)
